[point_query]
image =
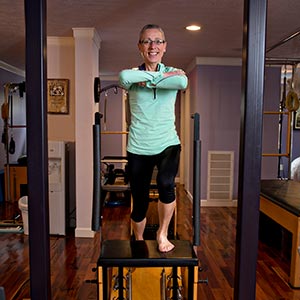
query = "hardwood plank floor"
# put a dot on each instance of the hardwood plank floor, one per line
(73, 259)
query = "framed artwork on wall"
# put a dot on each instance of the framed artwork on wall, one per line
(58, 96)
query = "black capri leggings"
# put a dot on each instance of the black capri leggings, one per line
(140, 169)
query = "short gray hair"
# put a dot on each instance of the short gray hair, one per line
(151, 26)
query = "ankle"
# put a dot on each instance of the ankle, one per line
(138, 237)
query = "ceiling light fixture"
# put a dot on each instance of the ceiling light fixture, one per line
(193, 27)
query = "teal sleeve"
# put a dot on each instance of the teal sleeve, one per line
(152, 79)
(129, 77)
(176, 82)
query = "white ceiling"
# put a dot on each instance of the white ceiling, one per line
(118, 23)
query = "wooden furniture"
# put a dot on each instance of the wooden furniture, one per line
(280, 201)
(16, 183)
(119, 260)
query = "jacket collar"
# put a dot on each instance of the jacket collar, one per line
(142, 67)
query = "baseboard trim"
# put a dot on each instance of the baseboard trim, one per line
(84, 232)
(214, 203)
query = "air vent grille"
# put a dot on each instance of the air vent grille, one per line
(220, 175)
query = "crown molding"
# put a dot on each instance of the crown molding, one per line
(214, 61)
(87, 32)
(59, 40)
(11, 69)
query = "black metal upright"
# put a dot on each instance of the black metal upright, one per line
(96, 211)
(196, 179)
(37, 149)
(97, 201)
(255, 12)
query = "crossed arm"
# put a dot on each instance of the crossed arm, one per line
(174, 79)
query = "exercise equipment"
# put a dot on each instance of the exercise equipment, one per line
(280, 201)
(288, 105)
(12, 226)
(134, 270)
(98, 195)
(115, 182)
(157, 275)
(7, 116)
(292, 98)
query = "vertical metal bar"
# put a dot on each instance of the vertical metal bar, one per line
(196, 180)
(129, 285)
(105, 284)
(37, 148)
(191, 271)
(289, 141)
(175, 283)
(163, 285)
(96, 211)
(121, 284)
(250, 148)
(8, 173)
(281, 107)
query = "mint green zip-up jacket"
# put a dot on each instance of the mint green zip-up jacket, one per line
(152, 107)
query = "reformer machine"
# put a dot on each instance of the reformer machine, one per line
(134, 270)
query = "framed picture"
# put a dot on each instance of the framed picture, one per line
(297, 120)
(58, 96)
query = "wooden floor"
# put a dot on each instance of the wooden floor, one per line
(73, 259)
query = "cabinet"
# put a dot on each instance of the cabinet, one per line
(16, 181)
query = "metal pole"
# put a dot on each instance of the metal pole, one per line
(281, 108)
(255, 12)
(37, 148)
(96, 212)
(283, 41)
(196, 180)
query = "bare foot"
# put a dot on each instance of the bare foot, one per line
(164, 245)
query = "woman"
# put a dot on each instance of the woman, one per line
(152, 139)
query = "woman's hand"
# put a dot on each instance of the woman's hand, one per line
(174, 73)
(178, 72)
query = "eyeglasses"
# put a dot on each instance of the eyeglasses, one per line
(148, 42)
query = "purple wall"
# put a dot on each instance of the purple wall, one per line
(216, 96)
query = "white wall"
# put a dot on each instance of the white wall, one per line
(87, 44)
(77, 59)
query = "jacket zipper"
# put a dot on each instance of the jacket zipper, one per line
(154, 93)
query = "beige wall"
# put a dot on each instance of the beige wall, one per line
(77, 59)
(61, 65)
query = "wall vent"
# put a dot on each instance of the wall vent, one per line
(220, 176)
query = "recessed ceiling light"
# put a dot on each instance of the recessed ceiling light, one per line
(193, 27)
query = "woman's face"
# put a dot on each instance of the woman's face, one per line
(152, 46)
